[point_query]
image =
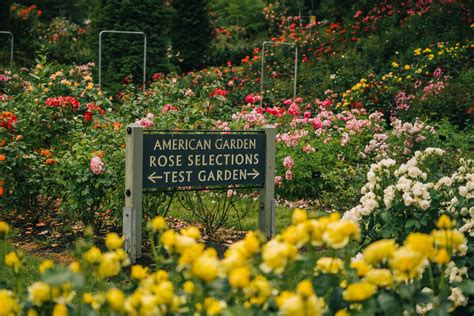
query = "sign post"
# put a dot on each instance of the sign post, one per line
(158, 161)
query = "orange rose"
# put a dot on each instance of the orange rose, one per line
(45, 153)
(50, 161)
(1, 191)
(2, 157)
(7, 115)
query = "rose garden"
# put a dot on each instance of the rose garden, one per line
(236, 157)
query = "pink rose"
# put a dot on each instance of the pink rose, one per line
(278, 180)
(288, 175)
(97, 166)
(288, 162)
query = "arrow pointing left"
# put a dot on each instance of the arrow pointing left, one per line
(152, 177)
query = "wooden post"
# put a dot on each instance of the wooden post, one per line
(266, 217)
(132, 212)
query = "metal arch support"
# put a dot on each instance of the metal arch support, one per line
(123, 32)
(262, 72)
(11, 44)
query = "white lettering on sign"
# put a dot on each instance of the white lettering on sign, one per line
(182, 144)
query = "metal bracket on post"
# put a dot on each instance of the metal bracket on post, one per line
(132, 212)
(11, 45)
(262, 77)
(122, 32)
(266, 216)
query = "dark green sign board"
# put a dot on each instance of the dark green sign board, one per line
(197, 159)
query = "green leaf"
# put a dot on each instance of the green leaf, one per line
(390, 304)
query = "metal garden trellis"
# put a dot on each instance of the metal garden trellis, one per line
(122, 32)
(11, 44)
(262, 72)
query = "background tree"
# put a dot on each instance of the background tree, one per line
(191, 33)
(122, 55)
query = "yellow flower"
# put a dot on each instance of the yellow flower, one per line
(442, 257)
(305, 288)
(158, 223)
(45, 265)
(239, 277)
(379, 251)
(190, 254)
(427, 50)
(394, 65)
(417, 51)
(380, 277)
(168, 239)
(60, 310)
(191, 231)
(421, 243)
(361, 267)
(338, 234)
(74, 266)
(296, 235)
(206, 266)
(251, 242)
(329, 265)
(8, 303)
(407, 67)
(88, 78)
(39, 292)
(13, 261)
(342, 312)
(290, 304)
(359, 291)
(116, 299)
(258, 291)
(161, 275)
(444, 222)
(32, 312)
(406, 263)
(214, 306)
(90, 86)
(451, 239)
(299, 216)
(188, 287)
(275, 255)
(109, 265)
(93, 255)
(113, 241)
(139, 272)
(431, 56)
(182, 242)
(4, 229)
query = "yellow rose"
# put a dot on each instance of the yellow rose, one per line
(93, 255)
(109, 265)
(275, 255)
(239, 277)
(39, 292)
(115, 299)
(113, 241)
(74, 266)
(296, 235)
(444, 222)
(338, 234)
(60, 310)
(251, 242)
(188, 287)
(361, 267)
(394, 65)
(32, 312)
(8, 303)
(299, 216)
(183, 242)
(442, 257)
(214, 306)
(139, 272)
(329, 265)
(450, 239)
(421, 243)
(4, 229)
(379, 251)
(164, 292)
(380, 277)
(168, 239)
(13, 261)
(158, 223)
(206, 266)
(359, 291)
(305, 288)
(160, 275)
(45, 265)
(290, 304)
(406, 263)
(191, 231)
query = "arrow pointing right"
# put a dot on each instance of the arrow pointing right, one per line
(255, 173)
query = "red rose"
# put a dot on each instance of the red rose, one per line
(88, 116)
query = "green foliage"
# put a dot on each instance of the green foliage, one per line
(190, 27)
